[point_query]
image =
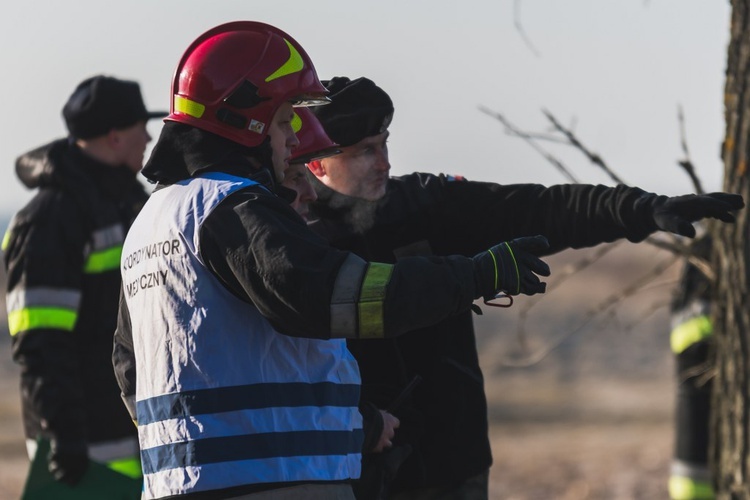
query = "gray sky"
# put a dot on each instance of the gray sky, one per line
(617, 69)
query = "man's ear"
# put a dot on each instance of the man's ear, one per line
(114, 139)
(316, 167)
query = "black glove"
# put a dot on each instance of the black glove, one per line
(511, 267)
(677, 214)
(67, 462)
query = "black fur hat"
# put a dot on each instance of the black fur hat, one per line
(358, 109)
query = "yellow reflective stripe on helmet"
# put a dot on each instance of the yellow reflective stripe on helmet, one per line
(371, 300)
(30, 318)
(296, 123)
(685, 488)
(292, 65)
(104, 260)
(187, 107)
(345, 295)
(690, 332)
(130, 467)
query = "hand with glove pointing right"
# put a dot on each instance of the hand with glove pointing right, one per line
(511, 267)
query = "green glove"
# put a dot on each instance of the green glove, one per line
(511, 267)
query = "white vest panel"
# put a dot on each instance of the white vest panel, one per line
(222, 398)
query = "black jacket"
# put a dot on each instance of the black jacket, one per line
(64, 245)
(445, 421)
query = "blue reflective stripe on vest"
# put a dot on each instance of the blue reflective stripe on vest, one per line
(249, 447)
(226, 399)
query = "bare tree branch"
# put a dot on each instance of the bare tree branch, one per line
(521, 31)
(686, 163)
(683, 250)
(648, 312)
(603, 307)
(676, 246)
(593, 157)
(530, 141)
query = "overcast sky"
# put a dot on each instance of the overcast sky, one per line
(616, 70)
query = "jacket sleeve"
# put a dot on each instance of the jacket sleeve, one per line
(467, 216)
(123, 358)
(44, 261)
(265, 254)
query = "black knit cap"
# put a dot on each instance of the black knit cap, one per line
(103, 103)
(358, 109)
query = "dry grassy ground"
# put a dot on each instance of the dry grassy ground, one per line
(591, 420)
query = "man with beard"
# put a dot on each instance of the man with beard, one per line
(391, 219)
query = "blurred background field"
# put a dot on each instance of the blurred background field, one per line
(590, 420)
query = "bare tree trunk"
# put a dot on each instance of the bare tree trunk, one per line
(730, 424)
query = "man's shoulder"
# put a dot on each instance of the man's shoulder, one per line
(50, 204)
(422, 185)
(422, 180)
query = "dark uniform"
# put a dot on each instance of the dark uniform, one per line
(445, 421)
(62, 255)
(691, 339)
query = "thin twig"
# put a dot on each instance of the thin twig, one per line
(686, 163)
(601, 308)
(648, 312)
(681, 249)
(561, 276)
(521, 31)
(593, 157)
(518, 133)
(702, 373)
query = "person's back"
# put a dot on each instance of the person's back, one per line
(62, 255)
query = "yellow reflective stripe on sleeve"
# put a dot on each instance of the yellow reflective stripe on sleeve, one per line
(103, 260)
(130, 467)
(188, 107)
(371, 300)
(685, 488)
(344, 297)
(515, 264)
(292, 65)
(31, 318)
(690, 332)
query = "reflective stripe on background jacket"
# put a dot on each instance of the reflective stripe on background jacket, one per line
(445, 421)
(62, 253)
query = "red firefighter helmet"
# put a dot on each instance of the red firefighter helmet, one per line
(314, 143)
(232, 79)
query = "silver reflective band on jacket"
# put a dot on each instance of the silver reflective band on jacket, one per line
(42, 307)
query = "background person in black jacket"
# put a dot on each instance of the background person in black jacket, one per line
(62, 253)
(361, 209)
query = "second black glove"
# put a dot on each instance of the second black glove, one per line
(512, 267)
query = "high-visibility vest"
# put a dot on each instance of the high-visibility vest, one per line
(222, 399)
